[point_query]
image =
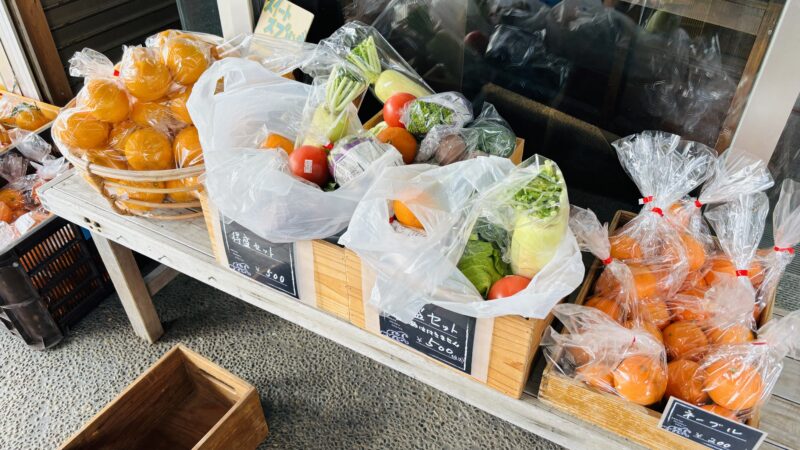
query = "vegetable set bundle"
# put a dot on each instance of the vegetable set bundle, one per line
(696, 296)
(290, 160)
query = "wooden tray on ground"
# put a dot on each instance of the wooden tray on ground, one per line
(50, 111)
(635, 422)
(183, 401)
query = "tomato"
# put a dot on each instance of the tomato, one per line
(311, 163)
(508, 286)
(393, 108)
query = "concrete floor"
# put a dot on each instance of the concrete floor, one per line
(316, 394)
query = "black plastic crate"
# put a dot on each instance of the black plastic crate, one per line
(64, 267)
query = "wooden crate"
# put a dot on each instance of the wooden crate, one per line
(50, 111)
(183, 401)
(635, 422)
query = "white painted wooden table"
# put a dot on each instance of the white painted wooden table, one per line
(185, 247)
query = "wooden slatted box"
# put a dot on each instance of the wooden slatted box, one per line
(627, 419)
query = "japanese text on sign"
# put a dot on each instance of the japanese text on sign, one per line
(710, 430)
(285, 20)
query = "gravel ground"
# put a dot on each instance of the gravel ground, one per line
(315, 393)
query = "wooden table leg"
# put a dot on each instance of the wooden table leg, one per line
(131, 288)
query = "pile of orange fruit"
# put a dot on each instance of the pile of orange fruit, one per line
(670, 303)
(134, 116)
(15, 113)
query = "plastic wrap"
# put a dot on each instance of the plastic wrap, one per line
(255, 187)
(786, 235)
(15, 113)
(738, 226)
(386, 71)
(602, 353)
(476, 220)
(353, 155)
(665, 168)
(447, 108)
(280, 56)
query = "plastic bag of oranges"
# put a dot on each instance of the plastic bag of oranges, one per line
(786, 234)
(665, 168)
(605, 355)
(738, 225)
(15, 113)
(738, 378)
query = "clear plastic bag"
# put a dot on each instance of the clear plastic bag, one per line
(741, 377)
(16, 113)
(786, 235)
(446, 108)
(665, 168)
(253, 186)
(481, 209)
(603, 354)
(738, 225)
(386, 71)
(353, 155)
(494, 135)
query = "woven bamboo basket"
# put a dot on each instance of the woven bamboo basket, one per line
(106, 181)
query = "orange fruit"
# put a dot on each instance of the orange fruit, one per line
(640, 379)
(736, 333)
(596, 375)
(186, 147)
(186, 59)
(689, 305)
(653, 310)
(177, 104)
(685, 381)
(181, 197)
(649, 327)
(720, 411)
(609, 306)
(5, 139)
(81, 130)
(119, 133)
(722, 265)
(133, 194)
(148, 149)
(105, 99)
(684, 339)
(12, 198)
(405, 216)
(151, 114)
(695, 280)
(624, 247)
(402, 140)
(28, 117)
(6, 214)
(275, 140)
(733, 384)
(695, 253)
(144, 75)
(108, 157)
(644, 280)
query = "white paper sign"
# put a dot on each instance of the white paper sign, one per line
(285, 20)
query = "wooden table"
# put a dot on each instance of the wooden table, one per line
(185, 247)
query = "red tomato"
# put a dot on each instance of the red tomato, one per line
(311, 163)
(508, 286)
(393, 108)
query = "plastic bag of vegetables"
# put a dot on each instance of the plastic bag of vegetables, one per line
(386, 71)
(482, 226)
(488, 134)
(257, 186)
(444, 109)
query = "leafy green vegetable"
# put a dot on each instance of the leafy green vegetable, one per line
(365, 57)
(343, 87)
(494, 139)
(482, 263)
(541, 223)
(425, 115)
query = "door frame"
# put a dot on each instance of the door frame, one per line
(15, 54)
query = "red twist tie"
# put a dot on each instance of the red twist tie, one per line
(607, 261)
(658, 211)
(391, 219)
(116, 72)
(759, 343)
(646, 200)
(742, 272)
(788, 250)
(328, 146)
(698, 203)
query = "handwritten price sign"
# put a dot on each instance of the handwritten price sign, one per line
(707, 429)
(285, 20)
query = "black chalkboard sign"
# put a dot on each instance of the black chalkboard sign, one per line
(437, 332)
(268, 263)
(710, 430)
